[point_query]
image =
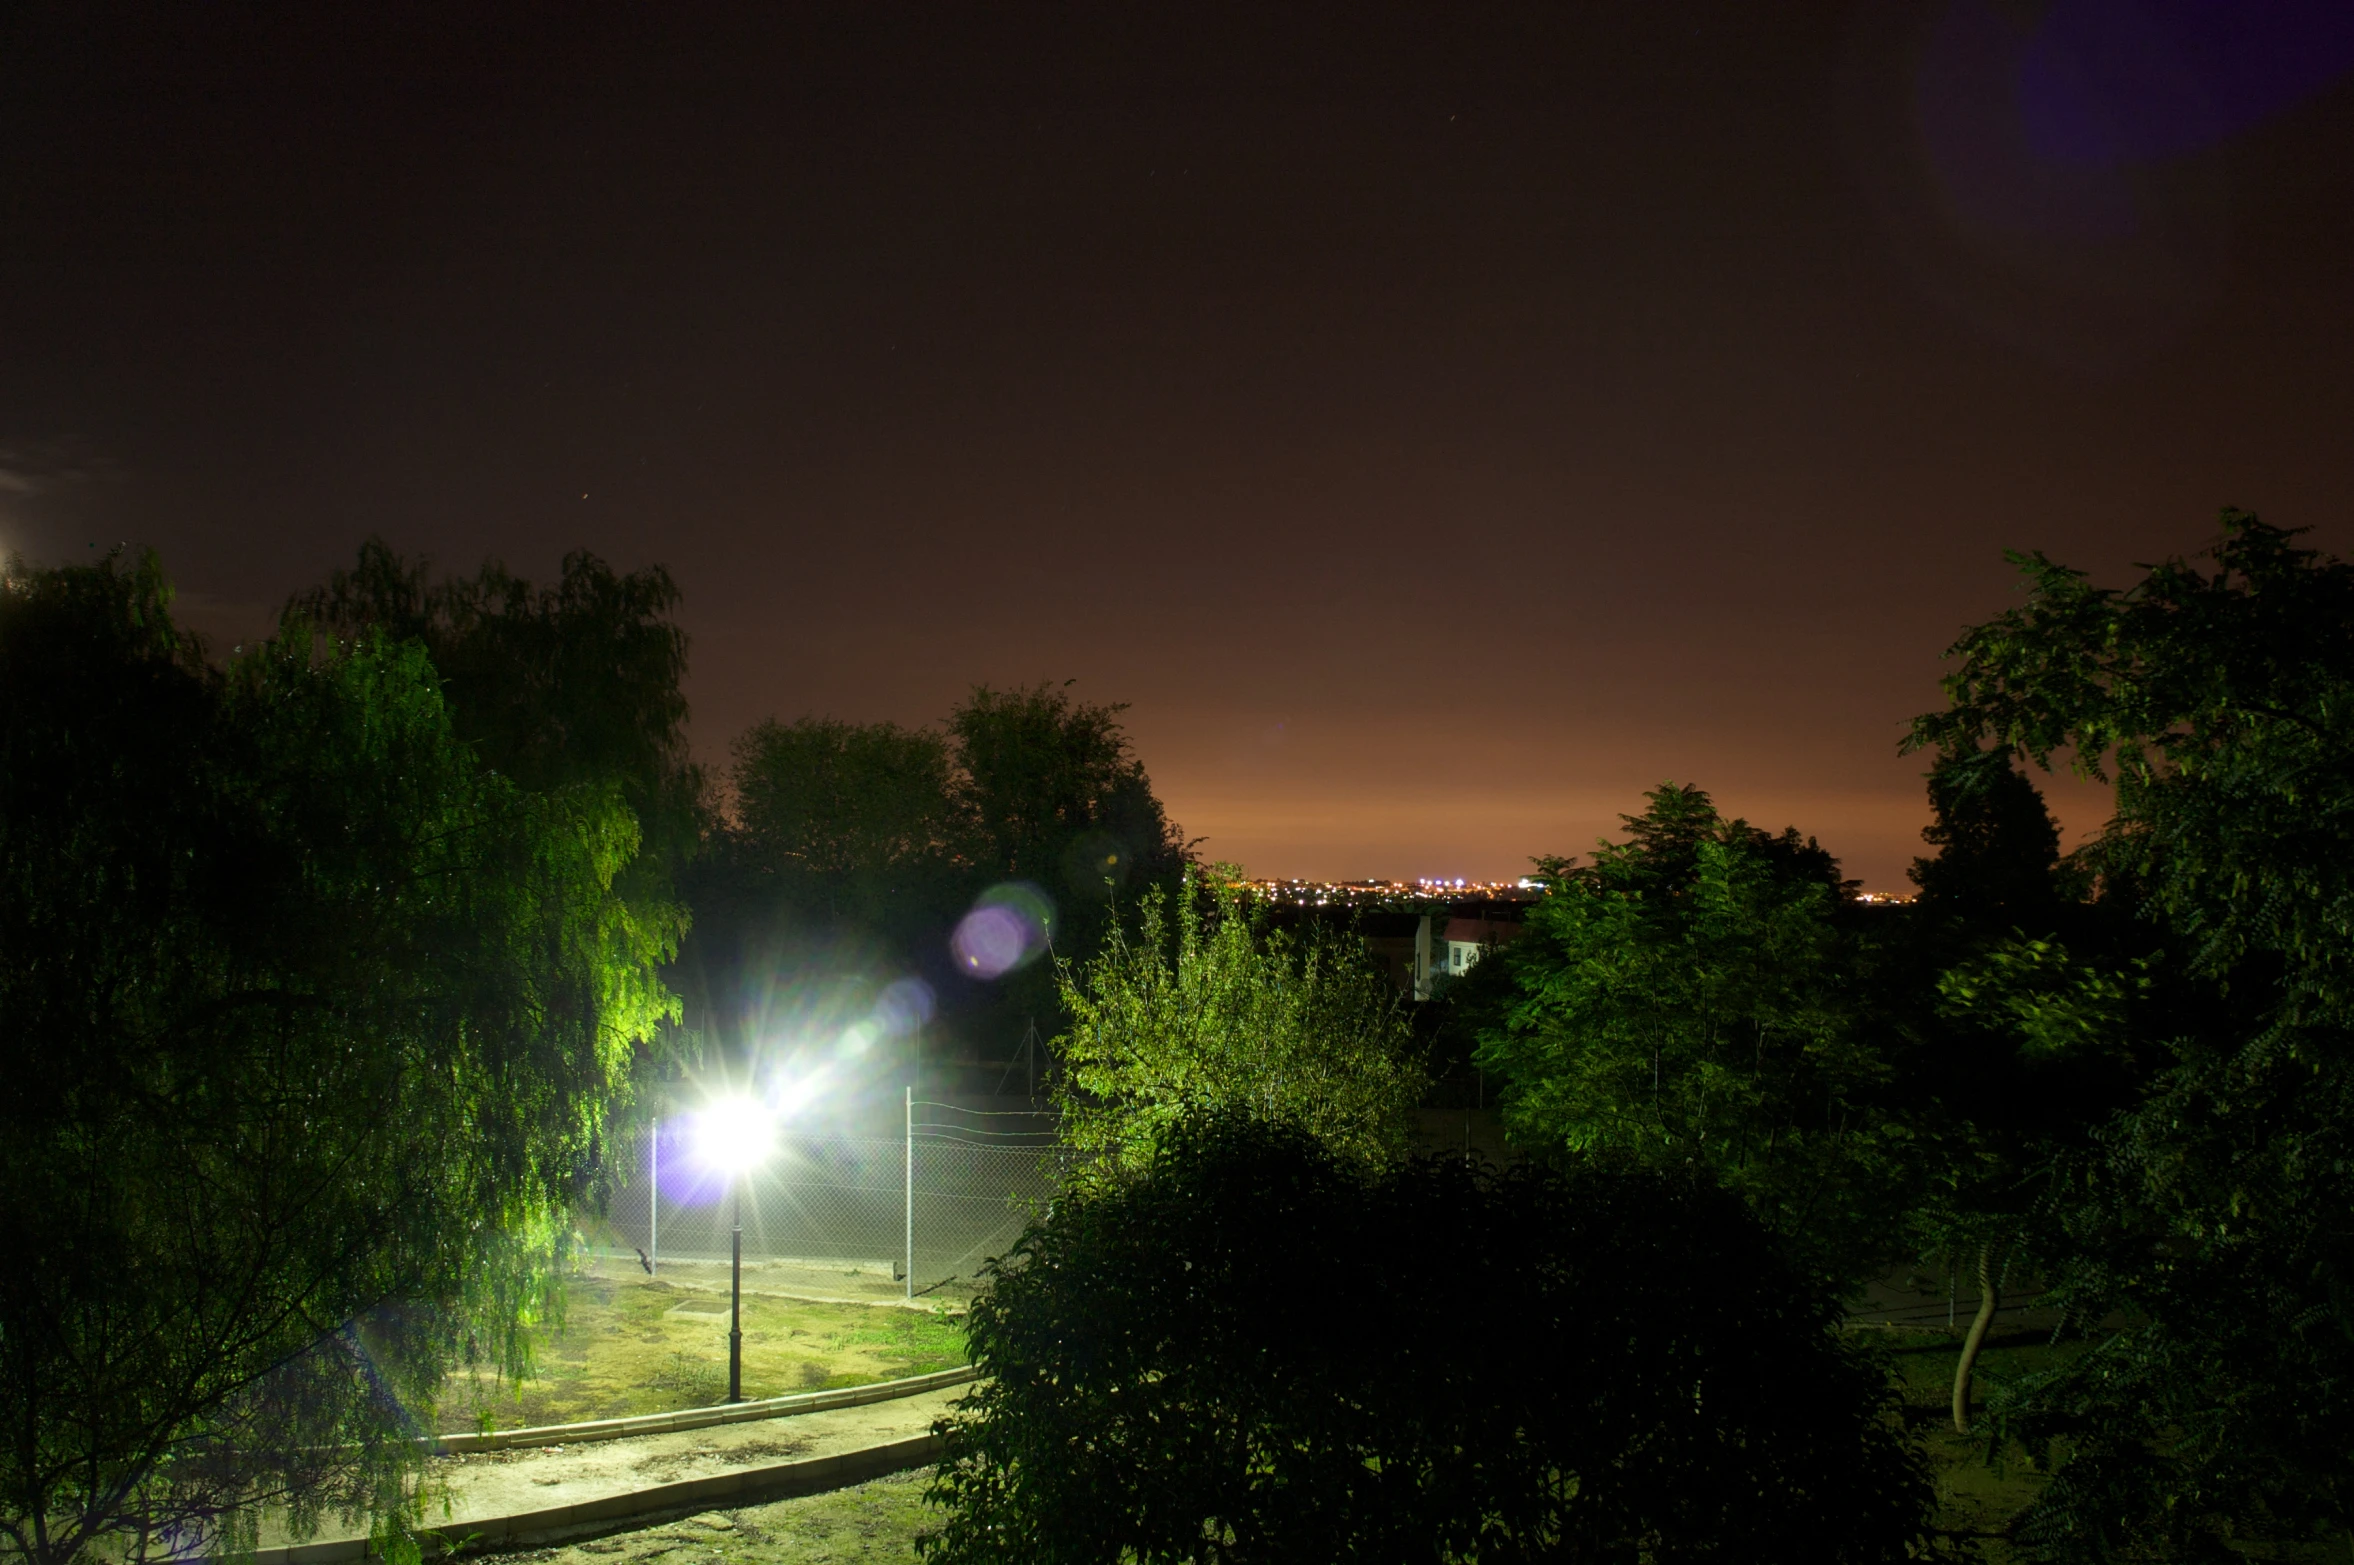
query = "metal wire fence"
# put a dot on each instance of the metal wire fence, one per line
(929, 1205)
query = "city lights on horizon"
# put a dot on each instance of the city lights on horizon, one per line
(1307, 891)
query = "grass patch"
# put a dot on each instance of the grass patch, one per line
(633, 1344)
(871, 1524)
(608, 1362)
(1976, 1498)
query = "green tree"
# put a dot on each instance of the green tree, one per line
(1998, 862)
(846, 856)
(1053, 793)
(858, 846)
(1213, 1010)
(1261, 1350)
(310, 1023)
(2015, 997)
(573, 686)
(1690, 1002)
(2211, 1220)
(858, 819)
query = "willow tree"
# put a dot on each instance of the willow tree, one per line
(310, 1021)
(568, 686)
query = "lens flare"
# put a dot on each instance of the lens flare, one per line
(1010, 927)
(902, 1007)
(991, 941)
(1096, 865)
(792, 1091)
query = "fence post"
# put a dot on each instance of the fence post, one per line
(654, 1198)
(910, 1198)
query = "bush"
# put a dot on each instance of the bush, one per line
(1209, 1010)
(1254, 1351)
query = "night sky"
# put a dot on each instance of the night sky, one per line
(1441, 424)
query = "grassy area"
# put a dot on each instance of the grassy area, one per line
(872, 1524)
(633, 1344)
(1975, 1497)
(877, 1522)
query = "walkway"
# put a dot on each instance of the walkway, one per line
(590, 1481)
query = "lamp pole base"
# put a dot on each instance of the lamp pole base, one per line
(735, 1307)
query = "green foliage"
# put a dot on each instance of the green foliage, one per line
(2054, 1004)
(1018, 785)
(1261, 1351)
(309, 1022)
(861, 845)
(836, 798)
(858, 819)
(2220, 702)
(2211, 1219)
(569, 687)
(2013, 993)
(1213, 1010)
(1052, 793)
(578, 682)
(1055, 795)
(1998, 860)
(1688, 1002)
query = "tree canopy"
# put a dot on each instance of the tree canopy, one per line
(857, 820)
(2210, 1220)
(311, 1022)
(573, 685)
(1055, 793)
(1690, 1001)
(864, 844)
(1998, 859)
(2008, 985)
(1207, 1009)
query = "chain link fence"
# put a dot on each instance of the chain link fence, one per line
(929, 1206)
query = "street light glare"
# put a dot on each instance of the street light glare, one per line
(735, 1134)
(790, 1093)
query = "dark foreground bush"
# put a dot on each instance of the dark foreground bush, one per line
(1254, 1354)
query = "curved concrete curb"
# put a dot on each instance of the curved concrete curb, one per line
(614, 1512)
(701, 1417)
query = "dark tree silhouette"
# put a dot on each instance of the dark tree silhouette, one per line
(1255, 1351)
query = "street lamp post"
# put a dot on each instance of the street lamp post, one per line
(735, 1297)
(736, 1134)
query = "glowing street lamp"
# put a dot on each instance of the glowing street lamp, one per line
(735, 1136)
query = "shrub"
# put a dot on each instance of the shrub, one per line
(1257, 1351)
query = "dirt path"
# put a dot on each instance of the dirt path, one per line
(506, 1483)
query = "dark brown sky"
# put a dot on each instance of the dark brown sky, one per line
(1441, 424)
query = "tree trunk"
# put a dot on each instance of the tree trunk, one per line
(1987, 1299)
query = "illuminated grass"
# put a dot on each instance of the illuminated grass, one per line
(871, 1524)
(633, 1344)
(878, 1521)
